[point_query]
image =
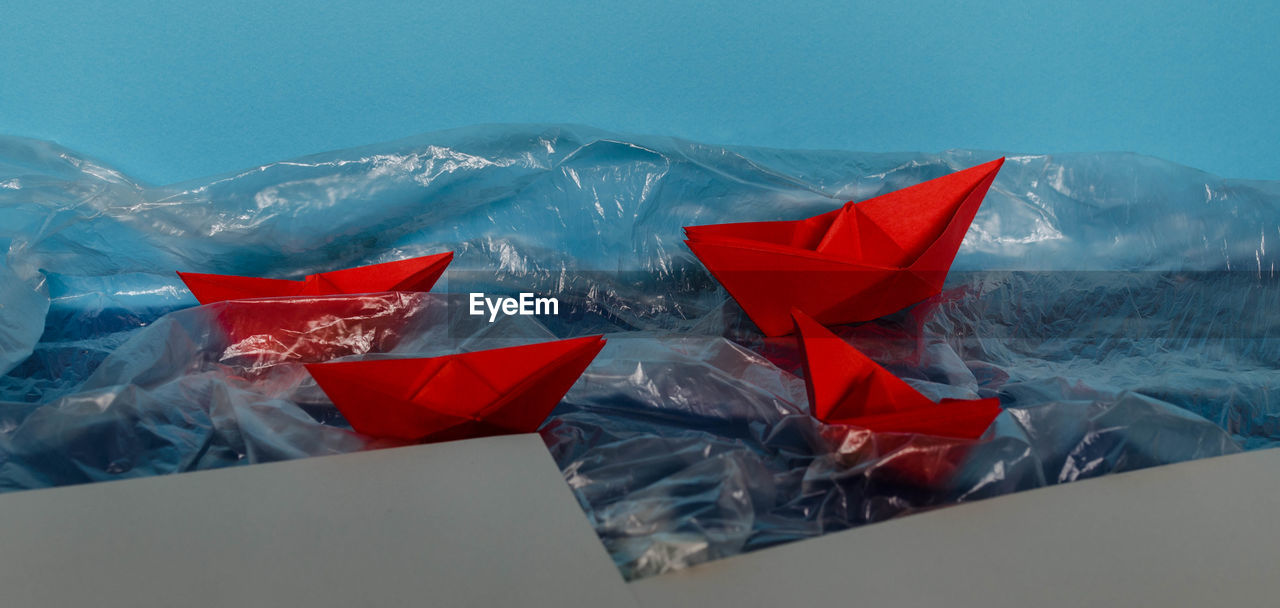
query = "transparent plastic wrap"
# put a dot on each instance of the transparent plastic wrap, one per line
(1119, 306)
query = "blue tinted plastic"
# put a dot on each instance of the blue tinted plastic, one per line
(1119, 306)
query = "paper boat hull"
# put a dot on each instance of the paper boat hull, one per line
(768, 284)
(846, 387)
(413, 274)
(921, 461)
(857, 263)
(476, 394)
(266, 332)
(327, 315)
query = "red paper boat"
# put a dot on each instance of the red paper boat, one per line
(846, 387)
(856, 263)
(265, 332)
(489, 392)
(413, 274)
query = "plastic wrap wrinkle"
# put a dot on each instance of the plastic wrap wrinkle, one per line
(1120, 307)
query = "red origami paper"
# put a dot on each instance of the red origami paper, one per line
(413, 274)
(262, 333)
(847, 387)
(271, 321)
(923, 461)
(856, 263)
(489, 392)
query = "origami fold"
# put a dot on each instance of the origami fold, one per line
(856, 263)
(847, 387)
(489, 392)
(413, 274)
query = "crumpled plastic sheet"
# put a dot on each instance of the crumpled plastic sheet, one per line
(1121, 307)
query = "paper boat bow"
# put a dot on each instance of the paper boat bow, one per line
(476, 394)
(413, 274)
(847, 387)
(856, 263)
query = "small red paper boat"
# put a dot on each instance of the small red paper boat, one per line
(856, 263)
(261, 333)
(489, 392)
(413, 274)
(847, 387)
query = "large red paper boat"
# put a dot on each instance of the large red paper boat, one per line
(856, 263)
(413, 274)
(476, 394)
(847, 387)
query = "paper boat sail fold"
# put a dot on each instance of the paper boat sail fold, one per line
(856, 263)
(847, 387)
(476, 394)
(413, 274)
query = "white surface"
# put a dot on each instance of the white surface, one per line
(1202, 533)
(487, 522)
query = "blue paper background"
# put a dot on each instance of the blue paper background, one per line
(168, 91)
